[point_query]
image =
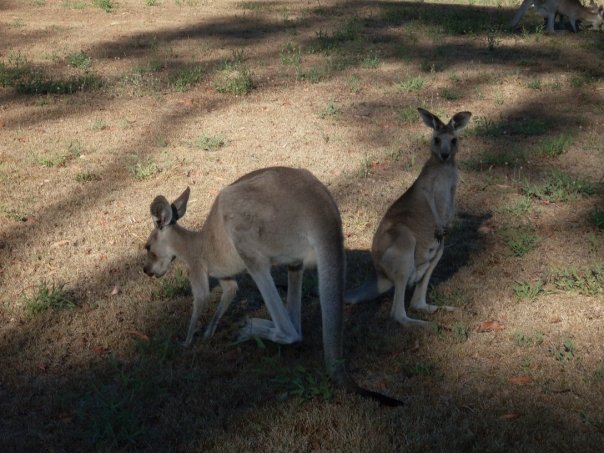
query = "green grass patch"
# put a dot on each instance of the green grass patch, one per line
(105, 5)
(565, 352)
(556, 186)
(518, 208)
(144, 170)
(523, 339)
(306, 384)
(47, 297)
(187, 77)
(520, 240)
(176, 285)
(79, 60)
(87, 176)
(554, 146)
(508, 158)
(588, 281)
(485, 127)
(413, 84)
(13, 214)
(209, 142)
(596, 216)
(330, 110)
(527, 290)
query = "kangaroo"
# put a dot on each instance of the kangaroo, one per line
(572, 9)
(409, 240)
(268, 217)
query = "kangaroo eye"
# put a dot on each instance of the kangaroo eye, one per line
(454, 142)
(437, 140)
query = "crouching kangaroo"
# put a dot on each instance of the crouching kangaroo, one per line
(409, 240)
(268, 217)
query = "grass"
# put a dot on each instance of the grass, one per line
(330, 110)
(305, 384)
(235, 77)
(520, 240)
(209, 142)
(523, 339)
(105, 5)
(110, 376)
(588, 281)
(47, 297)
(187, 77)
(87, 176)
(554, 146)
(485, 127)
(565, 352)
(558, 186)
(175, 285)
(144, 170)
(596, 217)
(413, 84)
(79, 60)
(527, 290)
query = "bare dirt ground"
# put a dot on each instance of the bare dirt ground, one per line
(104, 105)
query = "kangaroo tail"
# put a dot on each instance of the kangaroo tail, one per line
(369, 290)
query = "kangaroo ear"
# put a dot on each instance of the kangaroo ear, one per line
(161, 212)
(460, 120)
(430, 120)
(179, 206)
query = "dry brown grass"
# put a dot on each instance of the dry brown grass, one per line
(335, 87)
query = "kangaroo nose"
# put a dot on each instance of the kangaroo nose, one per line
(444, 156)
(147, 271)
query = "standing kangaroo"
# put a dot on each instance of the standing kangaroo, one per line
(409, 240)
(271, 216)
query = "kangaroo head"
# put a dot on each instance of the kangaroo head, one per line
(444, 137)
(160, 246)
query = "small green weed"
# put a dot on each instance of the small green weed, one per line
(408, 115)
(105, 5)
(441, 296)
(510, 158)
(99, 125)
(558, 186)
(209, 143)
(534, 84)
(413, 84)
(87, 176)
(291, 55)
(596, 217)
(355, 84)
(588, 281)
(306, 384)
(371, 60)
(519, 208)
(493, 40)
(527, 290)
(554, 146)
(330, 110)
(484, 127)
(524, 340)
(144, 170)
(14, 214)
(460, 331)
(176, 285)
(238, 82)
(520, 240)
(565, 352)
(79, 60)
(47, 297)
(424, 368)
(451, 94)
(187, 77)
(599, 374)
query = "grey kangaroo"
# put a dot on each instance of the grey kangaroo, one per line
(271, 216)
(409, 241)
